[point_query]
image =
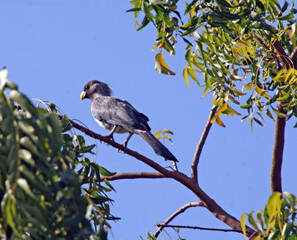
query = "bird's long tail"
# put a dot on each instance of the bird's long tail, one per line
(158, 147)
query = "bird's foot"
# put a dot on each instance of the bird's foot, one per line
(109, 136)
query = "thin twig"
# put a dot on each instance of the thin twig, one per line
(175, 214)
(200, 228)
(196, 158)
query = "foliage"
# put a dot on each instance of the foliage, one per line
(242, 47)
(278, 220)
(41, 194)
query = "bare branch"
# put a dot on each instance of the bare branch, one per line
(278, 149)
(200, 228)
(133, 175)
(126, 150)
(175, 214)
(192, 185)
(196, 158)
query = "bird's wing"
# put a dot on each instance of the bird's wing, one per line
(118, 112)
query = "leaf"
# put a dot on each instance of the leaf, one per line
(144, 22)
(185, 75)
(161, 65)
(261, 92)
(192, 74)
(260, 221)
(219, 122)
(252, 221)
(258, 121)
(278, 113)
(230, 111)
(288, 227)
(238, 92)
(268, 113)
(274, 204)
(104, 172)
(168, 131)
(22, 183)
(246, 106)
(157, 134)
(242, 223)
(23, 101)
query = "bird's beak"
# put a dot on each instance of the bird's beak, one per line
(82, 95)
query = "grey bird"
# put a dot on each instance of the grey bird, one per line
(119, 116)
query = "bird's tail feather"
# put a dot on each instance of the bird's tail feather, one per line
(158, 147)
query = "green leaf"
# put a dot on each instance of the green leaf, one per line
(288, 227)
(133, 10)
(278, 113)
(104, 172)
(246, 106)
(168, 131)
(252, 221)
(144, 22)
(260, 221)
(22, 100)
(268, 113)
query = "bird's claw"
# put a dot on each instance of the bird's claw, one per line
(109, 136)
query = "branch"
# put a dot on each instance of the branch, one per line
(209, 203)
(200, 228)
(126, 150)
(195, 162)
(133, 175)
(293, 57)
(175, 214)
(282, 54)
(278, 149)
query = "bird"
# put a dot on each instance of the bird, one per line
(119, 116)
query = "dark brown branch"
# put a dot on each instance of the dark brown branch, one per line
(293, 57)
(175, 214)
(210, 204)
(278, 149)
(196, 158)
(133, 175)
(199, 228)
(282, 54)
(260, 40)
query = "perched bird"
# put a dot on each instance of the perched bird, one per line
(119, 116)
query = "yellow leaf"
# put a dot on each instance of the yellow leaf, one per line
(185, 75)
(261, 92)
(219, 122)
(161, 65)
(192, 12)
(242, 223)
(222, 108)
(157, 134)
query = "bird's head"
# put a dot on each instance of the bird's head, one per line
(95, 87)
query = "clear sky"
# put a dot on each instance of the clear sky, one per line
(52, 48)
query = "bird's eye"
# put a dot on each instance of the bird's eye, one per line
(86, 87)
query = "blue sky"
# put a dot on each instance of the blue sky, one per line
(52, 48)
